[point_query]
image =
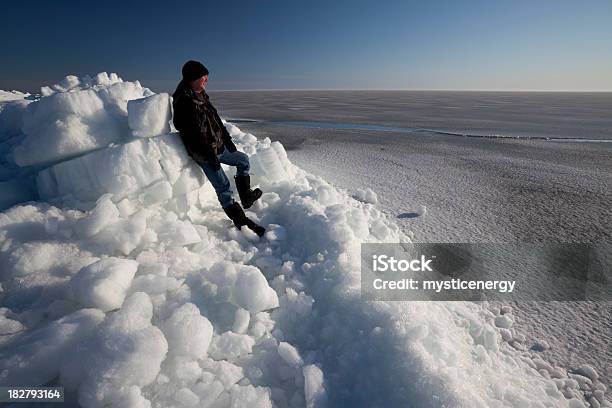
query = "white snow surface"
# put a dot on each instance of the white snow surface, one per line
(6, 96)
(76, 117)
(126, 283)
(150, 116)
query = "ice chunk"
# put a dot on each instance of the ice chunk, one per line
(124, 235)
(117, 96)
(45, 258)
(252, 291)
(209, 393)
(122, 170)
(279, 149)
(422, 210)
(156, 193)
(241, 321)
(222, 273)
(540, 345)
(504, 321)
(69, 82)
(64, 125)
(149, 116)
(124, 351)
(178, 233)
(130, 397)
(224, 371)
(358, 222)
(314, 389)
(229, 346)
(104, 213)
(366, 196)
(289, 354)
(104, 283)
(34, 358)
(187, 181)
(153, 284)
(186, 398)
(188, 332)
(380, 230)
(181, 369)
(249, 396)
(126, 207)
(103, 78)
(11, 118)
(587, 371)
(9, 326)
(6, 96)
(266, 164)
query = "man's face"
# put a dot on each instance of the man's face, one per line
(199, 84)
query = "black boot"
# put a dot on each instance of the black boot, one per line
(236, 214)
(247, 196)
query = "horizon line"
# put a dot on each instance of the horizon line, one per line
(143, 82)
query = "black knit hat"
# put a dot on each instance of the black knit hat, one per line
(193, 70)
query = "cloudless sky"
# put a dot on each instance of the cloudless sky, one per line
(470, 44)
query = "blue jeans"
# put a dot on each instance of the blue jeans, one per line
(219, 180)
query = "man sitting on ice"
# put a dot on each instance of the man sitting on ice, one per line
(208, 142)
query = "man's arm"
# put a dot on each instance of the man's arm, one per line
(227, 139)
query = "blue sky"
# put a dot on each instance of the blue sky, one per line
(473, 45)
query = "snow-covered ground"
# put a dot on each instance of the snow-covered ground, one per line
(449, 189)
(123, 280)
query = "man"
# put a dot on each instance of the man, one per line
(208, 142)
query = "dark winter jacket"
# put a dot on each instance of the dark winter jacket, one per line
(200, 126)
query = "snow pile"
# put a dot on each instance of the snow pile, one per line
(578, 384)
(6, 96)
(366, 196)
(154, 169)
(130, 287)
(74, 117)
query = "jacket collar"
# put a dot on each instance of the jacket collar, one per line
(183, 88)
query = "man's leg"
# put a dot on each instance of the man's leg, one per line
(220, 183)
(238, 159)
(243, 180)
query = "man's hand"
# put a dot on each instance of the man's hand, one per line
(213, 161)
(216, 165)
(227, 141)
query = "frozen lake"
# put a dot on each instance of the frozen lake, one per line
(474, 189)
(507, 114)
